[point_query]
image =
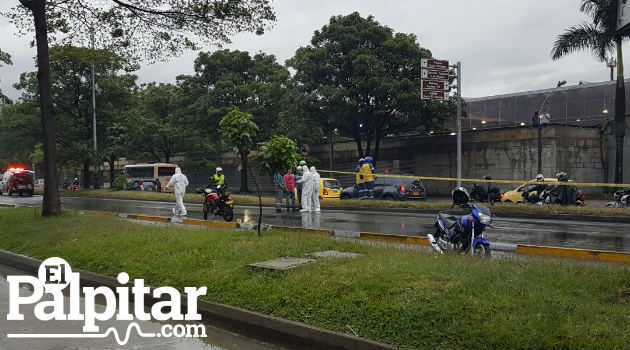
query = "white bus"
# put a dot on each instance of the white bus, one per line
(160, 171)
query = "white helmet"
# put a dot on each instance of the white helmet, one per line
(540, 177)
(219, 169)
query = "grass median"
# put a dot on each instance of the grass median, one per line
(498, 208)
(410, 299)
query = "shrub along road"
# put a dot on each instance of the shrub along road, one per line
(410, 299)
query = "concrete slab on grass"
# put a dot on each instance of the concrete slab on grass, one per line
(280, 264)
(335, 254)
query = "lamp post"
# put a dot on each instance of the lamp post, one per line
(558, 85)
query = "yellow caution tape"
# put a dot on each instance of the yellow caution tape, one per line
(557, 183)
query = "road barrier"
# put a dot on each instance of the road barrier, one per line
(569, 183)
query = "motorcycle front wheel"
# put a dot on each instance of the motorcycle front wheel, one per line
(229, 214)
(483, 250)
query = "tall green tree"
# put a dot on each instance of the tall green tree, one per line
(161, 128)
(601, 38)
(364, 79)
(239, 131)
(155, 28)
(226, 79)
(71, 71)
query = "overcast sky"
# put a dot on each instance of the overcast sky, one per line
(503, 45)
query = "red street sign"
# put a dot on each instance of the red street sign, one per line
(435, 85)
(434, 74)
(435, 64)
(434, 95)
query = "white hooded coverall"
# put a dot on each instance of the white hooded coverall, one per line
(307, 189)
(179, 182)
(315, 195)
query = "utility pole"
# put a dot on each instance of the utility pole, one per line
(611, 63)
(458, 94)
(96, 162)
(558, 85)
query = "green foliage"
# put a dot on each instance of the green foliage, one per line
(278, 154)
(239, 130)
(38, 154)
(120, 183)
(19, 130)
(358, 72)
(161, 127)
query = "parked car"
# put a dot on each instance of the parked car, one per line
(17, 180)
(392, 188)
(329, 188)
(39, 183)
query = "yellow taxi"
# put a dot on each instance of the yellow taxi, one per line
(516, 195)
(329, 188)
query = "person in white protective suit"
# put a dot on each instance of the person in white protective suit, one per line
(307, 189)
(179, 182)
(315, 195)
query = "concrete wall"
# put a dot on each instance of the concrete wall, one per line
(509, 153)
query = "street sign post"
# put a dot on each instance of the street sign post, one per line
(434, 74)
(435, 95)
(441, 85)
(434, 64)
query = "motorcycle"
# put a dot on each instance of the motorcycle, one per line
(217, 202)
(563, 195)
(464, 234)
(481, 193)
(622, 199)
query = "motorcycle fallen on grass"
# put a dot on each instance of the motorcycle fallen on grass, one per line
(217, 202)
(463, 234)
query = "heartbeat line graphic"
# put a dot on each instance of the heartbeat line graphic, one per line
(105, 334)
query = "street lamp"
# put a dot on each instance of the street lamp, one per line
(558, 85)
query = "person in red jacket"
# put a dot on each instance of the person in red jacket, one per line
(289, 189)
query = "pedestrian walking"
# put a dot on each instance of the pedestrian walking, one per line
(289, 192)
(278, 184)
(298, 185)
(307, 189)
(315, 179)
(535, 118)
(179, 182)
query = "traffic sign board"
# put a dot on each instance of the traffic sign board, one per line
(434, 95)
(434, 64)
(434, 74)
(441, 85)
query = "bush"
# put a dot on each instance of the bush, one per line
(120, 183)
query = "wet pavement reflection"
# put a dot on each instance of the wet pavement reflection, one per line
(566, 233)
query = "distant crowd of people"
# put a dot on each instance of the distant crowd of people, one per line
(305, 184)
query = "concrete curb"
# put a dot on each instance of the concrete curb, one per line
(248, 323)
(398, 239)
(317, 232)
(574, 253)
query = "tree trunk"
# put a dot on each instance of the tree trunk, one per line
(243, 156)
(51, 205)
(86, 174)
(357, 138)
(620, 116)
(111, 171)
(377, 147)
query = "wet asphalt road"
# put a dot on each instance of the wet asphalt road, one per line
(347, 222)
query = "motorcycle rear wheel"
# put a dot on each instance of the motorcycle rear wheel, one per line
(229, 214)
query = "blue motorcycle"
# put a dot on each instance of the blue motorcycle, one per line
(461, 232)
